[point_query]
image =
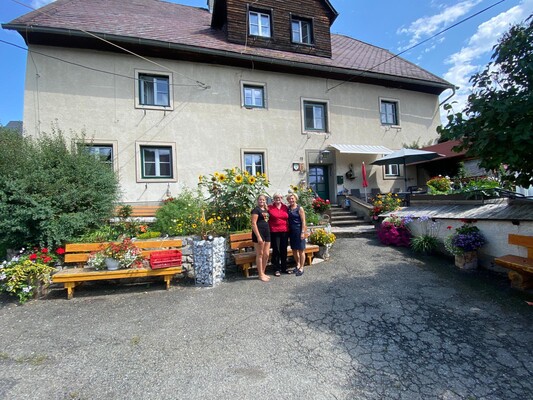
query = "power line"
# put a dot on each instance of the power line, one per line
(85, 66)
(418, 44)
(198, 83)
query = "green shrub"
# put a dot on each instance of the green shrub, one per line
(479, 184)
(148, 235)
(179, 215)
(424, 244)
(50, 192)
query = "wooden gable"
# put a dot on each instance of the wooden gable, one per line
(232, 16)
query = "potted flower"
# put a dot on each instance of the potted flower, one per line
(393, 231)
(28, 275)
(324, 240)
(463, 244)
(320, 206)
(115, 255)
(439, 185)
(383, 204)
(425, 238)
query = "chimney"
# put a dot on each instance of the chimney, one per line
(210, 5)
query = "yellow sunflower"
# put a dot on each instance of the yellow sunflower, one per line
(221, 177)
(251, 179)
(238, 178)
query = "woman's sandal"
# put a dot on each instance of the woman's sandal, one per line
(299, 272)
(277, 273)
(288, 271)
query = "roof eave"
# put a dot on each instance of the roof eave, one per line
(25, 29)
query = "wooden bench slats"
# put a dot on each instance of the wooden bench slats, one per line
(521, 274)
(521, 240)
(87, 274)
(515, 262)
(79, 253)
(141, 211)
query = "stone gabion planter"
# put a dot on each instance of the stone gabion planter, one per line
(209, 261)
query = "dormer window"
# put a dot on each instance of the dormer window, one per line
(259, 24)
(302, 31)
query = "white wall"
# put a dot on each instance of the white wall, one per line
(496, 233)
(209, 126)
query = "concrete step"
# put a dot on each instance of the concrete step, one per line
(355, 222)
(353, 231)
(345, 216)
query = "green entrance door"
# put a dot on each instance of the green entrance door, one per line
(318, 180)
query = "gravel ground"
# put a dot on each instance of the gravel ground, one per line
(374, 322)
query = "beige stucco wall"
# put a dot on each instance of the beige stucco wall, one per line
(208, 126)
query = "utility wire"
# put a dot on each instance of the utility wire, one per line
(84, 66)
(198, 83)
(417, 44)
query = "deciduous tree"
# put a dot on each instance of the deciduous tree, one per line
(497, 122)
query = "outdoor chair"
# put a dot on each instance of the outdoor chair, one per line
(374, 192)
(355, 193)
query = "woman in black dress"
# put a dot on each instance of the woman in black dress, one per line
(297, 230)
(261, 236)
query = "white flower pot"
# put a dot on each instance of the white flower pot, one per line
(112, 264)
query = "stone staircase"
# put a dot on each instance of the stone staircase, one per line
(345, 223)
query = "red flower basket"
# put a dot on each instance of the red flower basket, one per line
(165, 259)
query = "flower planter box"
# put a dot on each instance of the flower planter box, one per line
(165, 259)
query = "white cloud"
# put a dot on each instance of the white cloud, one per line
(473, 57)
(426, 26)
(40, 3)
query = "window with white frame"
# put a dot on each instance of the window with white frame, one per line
(315, 116)
(154, 90)
(392, 170)
(253, 96)
(259, 24)
(156, 162)
(254, 163)
(103, 152)
(389, 112)
(301, 30)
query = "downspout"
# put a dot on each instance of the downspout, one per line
(449, 97)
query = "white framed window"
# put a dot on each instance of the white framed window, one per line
(392, 170)
(153, 90)
(388, 110)
(259, 24)
(253, 95)
(156, 162)
(315, 116)
(104, 150)
(254, 161)
(301, 31)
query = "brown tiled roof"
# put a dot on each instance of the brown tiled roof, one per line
(164, 22)
(445, 148)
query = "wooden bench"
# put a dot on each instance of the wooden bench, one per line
(244, 253)
(140, 211)
(521, 274)
(78, 253)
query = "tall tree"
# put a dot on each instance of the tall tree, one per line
(497, 123)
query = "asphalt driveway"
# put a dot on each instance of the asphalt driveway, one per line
(374, 322)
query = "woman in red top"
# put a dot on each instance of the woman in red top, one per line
(279, 233)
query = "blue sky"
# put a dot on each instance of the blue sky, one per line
(391, 24)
